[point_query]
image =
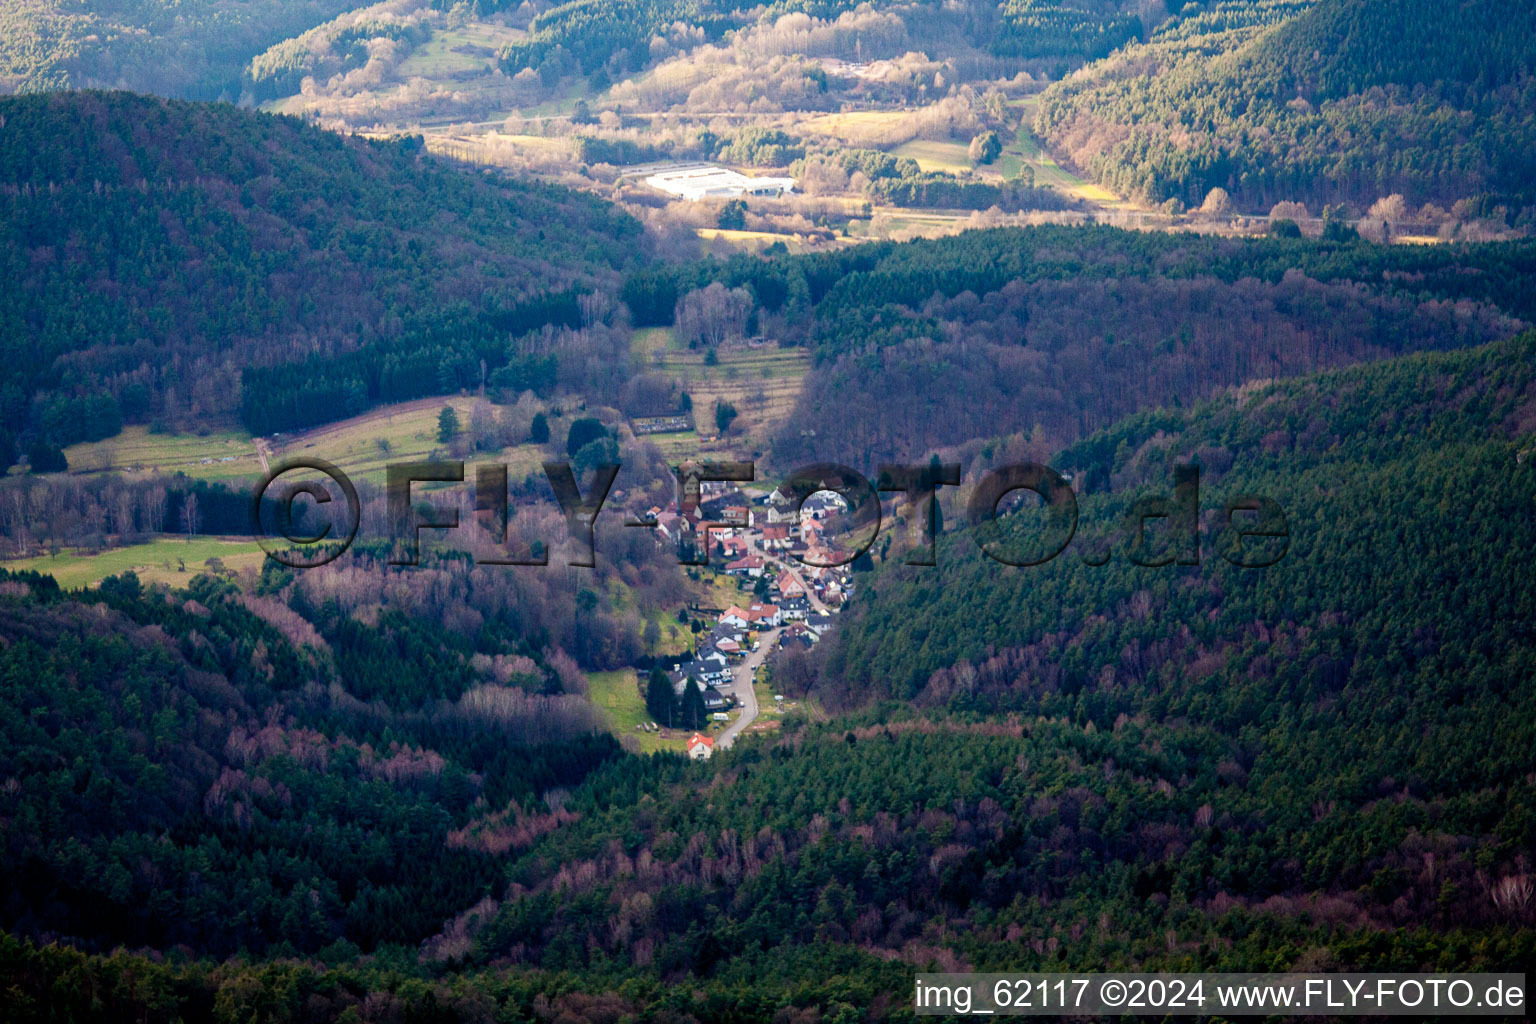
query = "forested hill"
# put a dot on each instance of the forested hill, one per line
(1373, 684)
(1345, 101)
(155, 249)
(1389, 474)
(613, 38)
(212, 767)
(934, 344)
(196, 49)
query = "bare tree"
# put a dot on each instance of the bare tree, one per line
(483, 426)
(713, 314)
(124, 518)
(154, 501)
(191, 516)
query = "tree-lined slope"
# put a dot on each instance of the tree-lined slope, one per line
(194, 49)
(1347, 100)
(154, 251)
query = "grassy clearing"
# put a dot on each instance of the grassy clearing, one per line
(647, 341)
(540, 142)
(466, 49)
(136, 450)
(159, 561)
(751, 240)
(717, 590)
(617, 696)
(362, 446)
(941, 157)
(861, 128)
(365, 445)
(1095, 194)
(1027, 150)
(899, 222)
(674, 637)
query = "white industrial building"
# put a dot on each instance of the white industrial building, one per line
(707, 181)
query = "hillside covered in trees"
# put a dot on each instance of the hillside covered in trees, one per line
(1328, 102)
(1058, 332)
(157, 252)
(343, 755)
(614, 39)
(194, 50)
(1323, 765)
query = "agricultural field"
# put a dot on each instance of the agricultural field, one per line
(496, 148)
(751, 240)
(861, 128)
(902, 223)
(944, 157)
(365, 445)
(763, 383)
(219, 455)
(171, 559)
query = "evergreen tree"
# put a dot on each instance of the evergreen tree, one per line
(659, 699)
(582, 433)
(725, 415)
(732, 216)
(46, 457)
(691, 713)
(538, 433)
(447, 424)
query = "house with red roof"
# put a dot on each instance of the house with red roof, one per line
(751, 566)
(763, 616)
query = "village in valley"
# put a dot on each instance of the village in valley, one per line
(783, 552)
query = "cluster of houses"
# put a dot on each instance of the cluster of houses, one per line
(731, 639)
(747, 531)
(752, 537)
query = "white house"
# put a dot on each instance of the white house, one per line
(700, 747)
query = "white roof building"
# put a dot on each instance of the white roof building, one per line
(706, 181)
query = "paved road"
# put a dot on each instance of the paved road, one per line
(787, 565)
(741, 687)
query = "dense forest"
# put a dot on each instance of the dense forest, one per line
(156, 252)
(932, 344)
(1344, 101)
(193, 50)
(611, 40)
(340, 753)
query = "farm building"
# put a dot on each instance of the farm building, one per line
(706, 181)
